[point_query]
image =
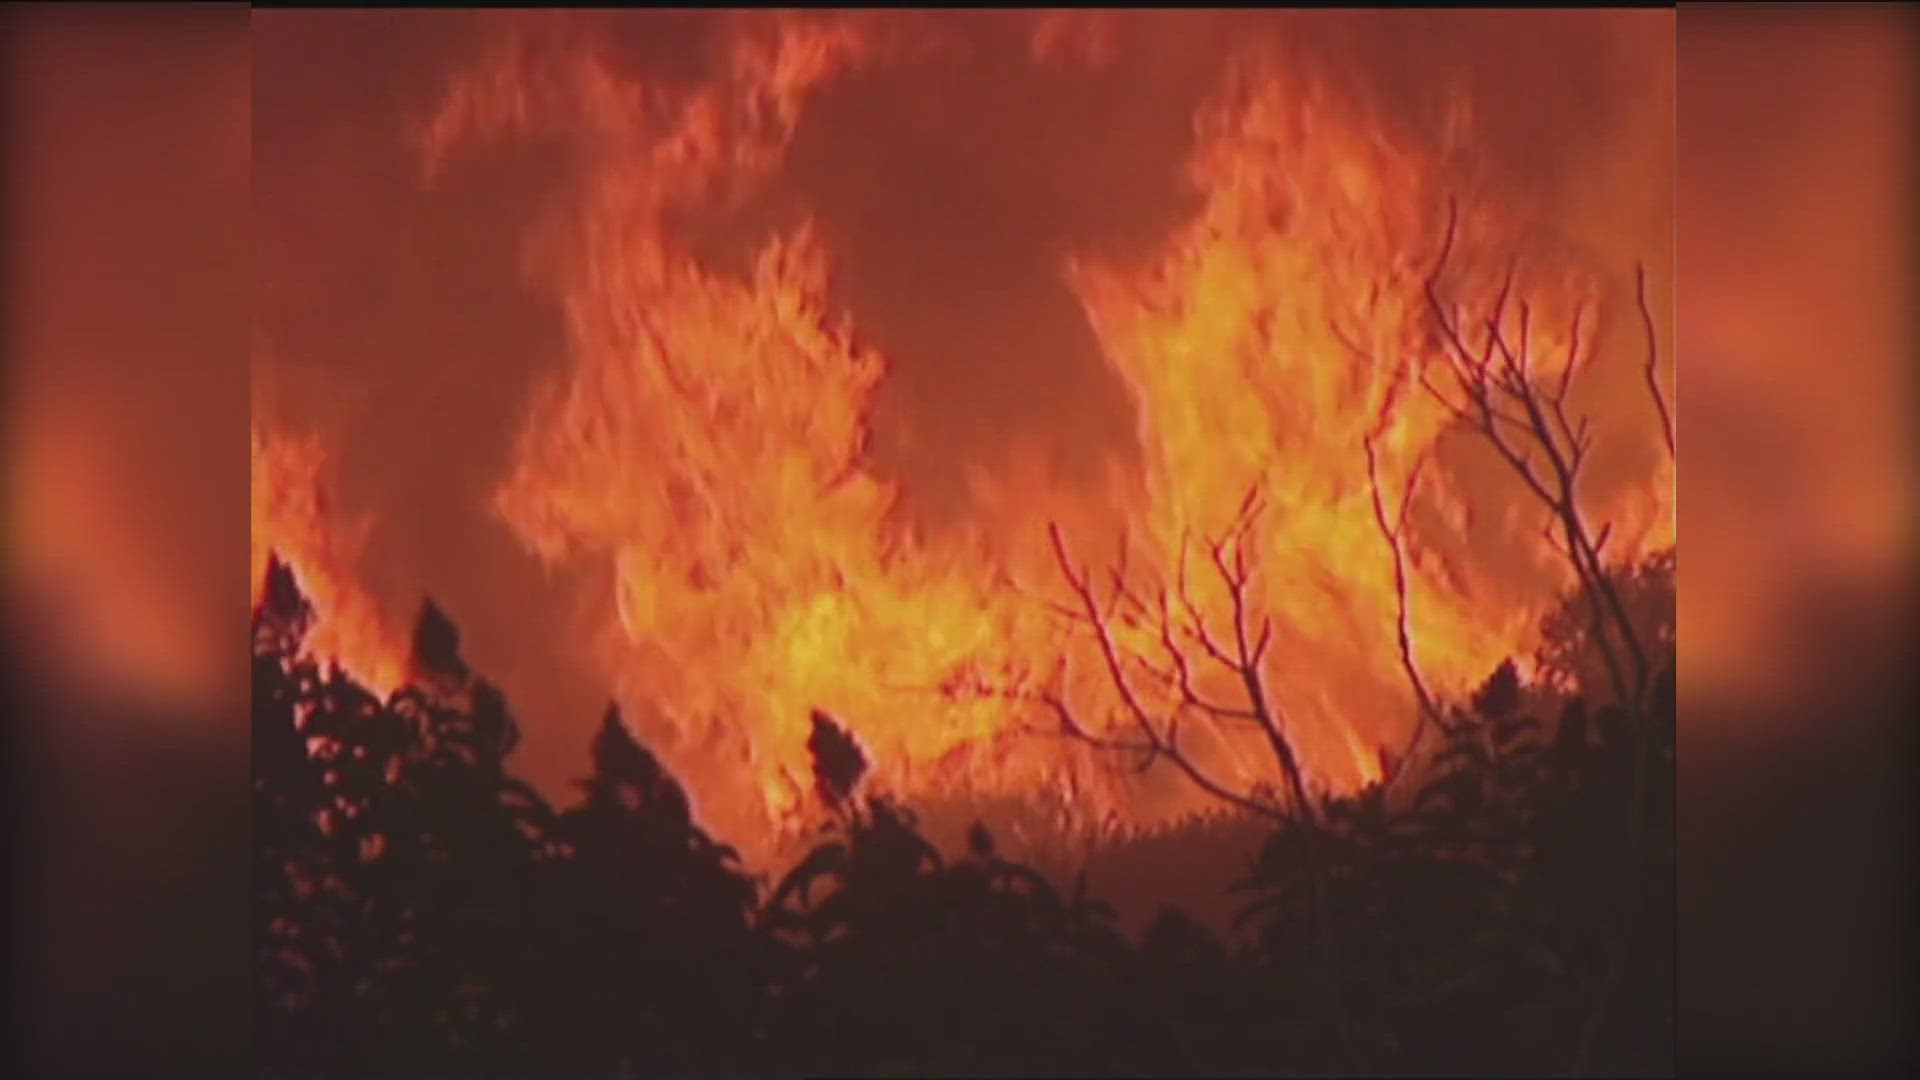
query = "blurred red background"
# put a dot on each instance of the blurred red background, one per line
(129, 148)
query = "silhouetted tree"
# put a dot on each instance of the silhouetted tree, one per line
(838, 763)
(394, 863)
(654, 968)
(420, 912)
(976, 967)
(1477, 917)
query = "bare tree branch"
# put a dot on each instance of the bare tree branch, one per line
(1162, 740)
(1653, 356)
(1156, 740)
(1562, 445)
(1196, 627)
(1392, 531)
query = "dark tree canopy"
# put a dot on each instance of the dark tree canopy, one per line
(421, 912)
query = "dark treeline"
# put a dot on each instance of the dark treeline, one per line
(421, 913)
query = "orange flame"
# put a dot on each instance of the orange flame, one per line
(293, 519)
(708, 442)
(1271, 339)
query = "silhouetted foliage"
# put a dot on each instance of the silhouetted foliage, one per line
(1499, 696)
(421, 912)
(838, 763)
(1567, 659)
(648, 926)
(436, 642)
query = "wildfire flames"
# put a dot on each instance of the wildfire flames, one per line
(293, 519)
(708, 445)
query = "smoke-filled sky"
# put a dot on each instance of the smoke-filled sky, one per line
(404, 324)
